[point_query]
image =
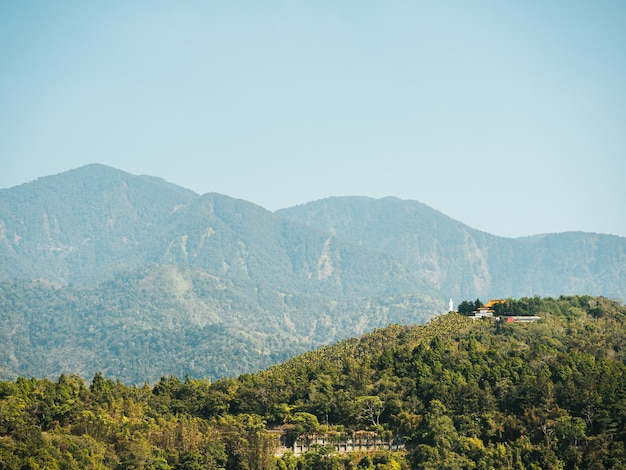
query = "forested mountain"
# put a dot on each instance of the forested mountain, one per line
(84, 224)
(457, 393)
(101, 270)
(465, 262)
(164, 319)
(98, 278)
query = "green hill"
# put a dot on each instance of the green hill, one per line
(456, 392)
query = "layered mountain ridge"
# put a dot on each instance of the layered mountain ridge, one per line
(455, 258)
(101, 270)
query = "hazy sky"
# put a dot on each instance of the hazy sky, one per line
(507, 116)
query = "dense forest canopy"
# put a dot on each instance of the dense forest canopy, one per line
(458, 392)
(165, 320)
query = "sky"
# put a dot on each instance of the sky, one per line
(507, 116)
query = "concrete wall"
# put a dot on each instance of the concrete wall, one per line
(343, 447)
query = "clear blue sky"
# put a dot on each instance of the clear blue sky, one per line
(507, 116)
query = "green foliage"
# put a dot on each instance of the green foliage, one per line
(304, 423)
(166, 319)
(458, 393)
(466, 308)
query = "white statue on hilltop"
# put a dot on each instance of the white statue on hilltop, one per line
(450, 306)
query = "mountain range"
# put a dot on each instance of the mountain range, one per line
(101, 270)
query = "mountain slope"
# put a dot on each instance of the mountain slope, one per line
(85, 225)
(465, 263)
(168, 319)
(474, 392)
(137, 277)
(236, 239)
(82, 225)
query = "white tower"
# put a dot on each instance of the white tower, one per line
(450, 306)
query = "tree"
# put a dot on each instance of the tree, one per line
(249, 445)
(371, 407)
(466, 308)
(306, 423)
(501, 308)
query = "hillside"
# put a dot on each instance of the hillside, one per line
(83, 225)
(238, 240)
(163, 319)
(86, 225)
(101, 270)
(456, 259)
(457, 392)
(105, 271)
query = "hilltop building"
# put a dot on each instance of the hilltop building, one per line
(487, 311)
(521, 319)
